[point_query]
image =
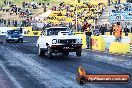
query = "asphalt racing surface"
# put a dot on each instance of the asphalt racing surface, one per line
(25, 69)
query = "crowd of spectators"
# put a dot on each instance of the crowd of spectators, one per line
(23, 13)
(84, 13)
(15, 23)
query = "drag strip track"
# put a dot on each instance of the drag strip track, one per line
(31, 71)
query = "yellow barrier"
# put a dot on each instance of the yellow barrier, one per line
(28, 31)
(119, 48)
(82, 34)
(98, 43)
(130, 35)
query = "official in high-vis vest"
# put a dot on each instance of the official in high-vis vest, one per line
(117, 31)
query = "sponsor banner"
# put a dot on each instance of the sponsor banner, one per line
(121, 16)
(82, 77)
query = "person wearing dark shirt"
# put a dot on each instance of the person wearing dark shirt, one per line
(44, 7)
(4, 22)
(0, 22)
(15, 23)
(102, 30)
(87, 30)
(111, 30)
(85, 26)
(8, 24)
(131, 29)
(126, 30)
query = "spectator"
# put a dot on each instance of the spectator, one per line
(117, 30)
(111, 30)
(0, 22)
(8, 24)
(102, 30)
(131, 29)
(15, 23)
(44, 7)
(4, 23)
(126, 30)
(79, 27)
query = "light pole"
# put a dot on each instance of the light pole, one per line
(76, 18)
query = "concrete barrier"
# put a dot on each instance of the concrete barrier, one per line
(119, 48)
(111, 38)
(98, 43)
(108, 40)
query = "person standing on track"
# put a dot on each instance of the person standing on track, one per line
(117, 31)
(88, 32)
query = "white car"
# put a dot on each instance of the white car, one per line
(59, 40)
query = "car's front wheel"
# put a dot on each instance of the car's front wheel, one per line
(78, 52)
(21, 40)
(41, 52)
(49, 52)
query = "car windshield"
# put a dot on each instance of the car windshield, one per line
(55, 31)
(13, 32)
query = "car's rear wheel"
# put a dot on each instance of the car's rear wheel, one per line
(7, 41)
(78, 52)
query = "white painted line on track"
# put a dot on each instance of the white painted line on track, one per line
(13, 80)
